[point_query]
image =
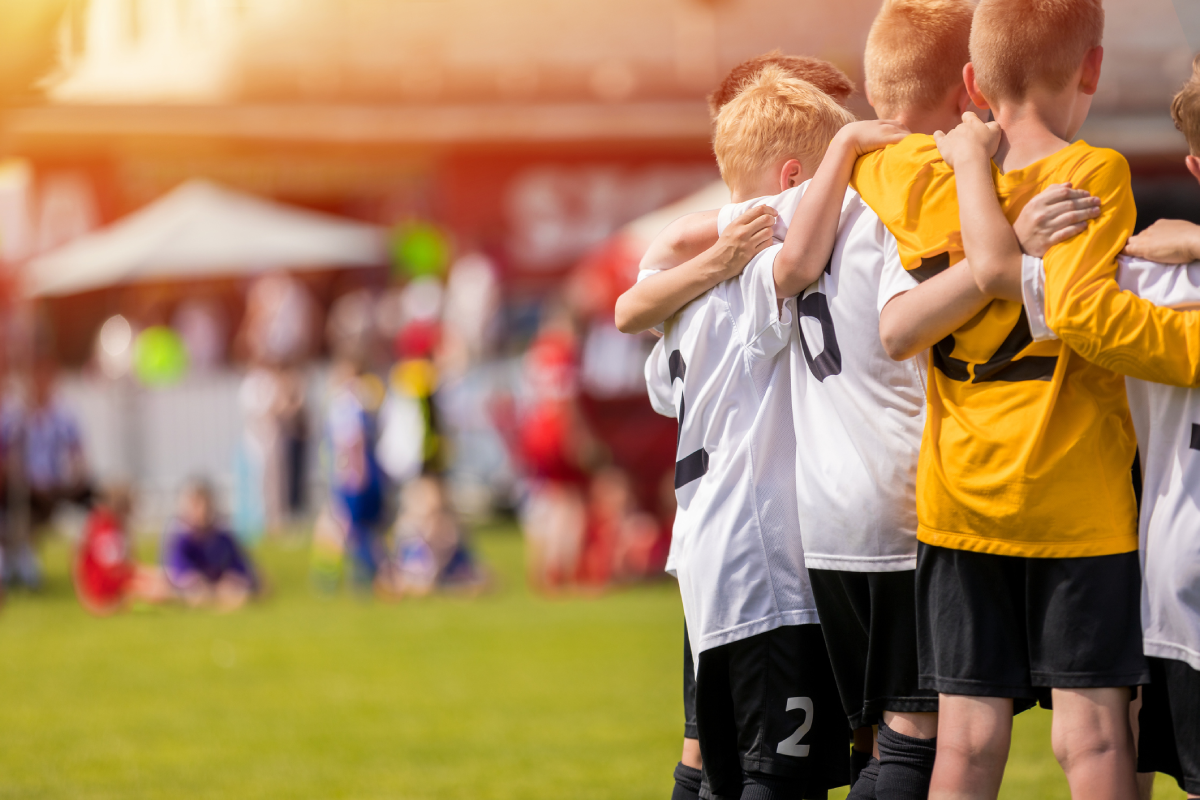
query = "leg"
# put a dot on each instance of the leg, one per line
(1093, 743)
(907, 745)
(688, 773)
(974, 734)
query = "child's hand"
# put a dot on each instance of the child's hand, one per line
(974, 138)
(744, 238)
(872, 134)
(1054, 216)
(1168, 241)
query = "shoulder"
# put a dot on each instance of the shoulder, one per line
(915, 151)
(1100, 165)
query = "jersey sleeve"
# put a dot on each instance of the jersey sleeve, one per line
(894, 279)
(912, 190)
(1033, 296)
(658, 380)
(1169, 285)
(762, 327)
(1087, 309)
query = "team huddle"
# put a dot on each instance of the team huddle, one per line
(913, 373)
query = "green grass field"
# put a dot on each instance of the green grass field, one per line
(302, 696)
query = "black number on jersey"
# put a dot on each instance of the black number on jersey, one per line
(829, 361)
(695, 465)
(1003, 366)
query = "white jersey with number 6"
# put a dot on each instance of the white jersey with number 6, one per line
(1167, 421)
(722, 370)
(858, 414)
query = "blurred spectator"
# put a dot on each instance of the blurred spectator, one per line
(555, 449)
(201, 324)
(620, 540)
(203, 561)
(106, 575)
(431, 549)
(356, 481)
(278, 335)
(45, 468)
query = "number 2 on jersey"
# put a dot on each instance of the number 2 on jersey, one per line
(791, 746)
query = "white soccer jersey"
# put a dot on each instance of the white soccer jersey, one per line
(858, 414)
(1166, 420)
(721, 369)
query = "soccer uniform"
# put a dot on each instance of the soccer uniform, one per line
(1023, 483)
(858, 418)
(1165, 418)
(766, 704)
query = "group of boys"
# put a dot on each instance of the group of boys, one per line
(903, 464)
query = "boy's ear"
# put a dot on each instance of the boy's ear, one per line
(1193, 166)
(1089, 79)
(792, 174)
(973, 87)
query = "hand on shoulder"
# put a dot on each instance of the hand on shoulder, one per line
(872, 134)
(1168, 241)
(973, 139)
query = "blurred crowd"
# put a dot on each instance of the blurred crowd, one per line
(429, 398)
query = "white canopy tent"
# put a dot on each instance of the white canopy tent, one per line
(203, 230)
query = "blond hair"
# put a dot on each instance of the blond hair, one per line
(774, 117)
(916, 52)
(1185, 109)
(1016, 44)
(821, 74)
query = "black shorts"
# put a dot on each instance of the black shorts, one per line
(870, 625)
(1006, 626)
(689, 690)
(1169, 723)
(768, 706)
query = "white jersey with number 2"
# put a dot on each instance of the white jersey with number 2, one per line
(858, 414)
(721, 369)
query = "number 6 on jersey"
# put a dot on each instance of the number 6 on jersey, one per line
(791, 746)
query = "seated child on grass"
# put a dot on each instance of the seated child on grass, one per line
(430, 545)
(203, 561)
(107, 577)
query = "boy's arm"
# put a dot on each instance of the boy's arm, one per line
(923, 315)
(701, 259)
(812, 233)
(1087, 309)
(1167, 241)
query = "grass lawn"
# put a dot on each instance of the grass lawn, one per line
(302, 696)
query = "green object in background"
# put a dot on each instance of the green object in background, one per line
(419, 250)
(159, 356)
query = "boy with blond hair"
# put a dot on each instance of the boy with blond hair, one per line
(859, 414)
(769, 721)
(1027, 570)
(736, 245)
(1162, 265)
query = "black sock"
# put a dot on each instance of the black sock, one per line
(858, 762)
(766, 787)
(905, 765)
(863, 787)
(687, 783)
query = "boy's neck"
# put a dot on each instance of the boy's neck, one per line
(765, 188)
(1030, 131)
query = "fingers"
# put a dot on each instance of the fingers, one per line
(1067, 232)
(759, 237)
(756, 213)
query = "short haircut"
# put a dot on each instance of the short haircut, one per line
(915, 53)
(1185, 109)
(1017, 44)
(774, 117)
(821, 74)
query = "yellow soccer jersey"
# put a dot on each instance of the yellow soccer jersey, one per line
(1028, 446)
